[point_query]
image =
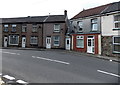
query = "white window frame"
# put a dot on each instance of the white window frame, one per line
(80, 25)
(23, 27)
(115, 44)
(116, 22)
(14, 27)
(58, 29)
(57, 40)
(31, 40)
(6, 27)
(10, 40)
(93, 23)
(80, 37)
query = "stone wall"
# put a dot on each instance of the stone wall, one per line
(107, 47)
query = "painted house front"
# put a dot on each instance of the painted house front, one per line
(111, 30)
(87, 30)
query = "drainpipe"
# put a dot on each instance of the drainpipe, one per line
(43, 28)
(100, 42)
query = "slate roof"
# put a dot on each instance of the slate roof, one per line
(114, 7)
(55, 18)
(91, 11)
(50, 18)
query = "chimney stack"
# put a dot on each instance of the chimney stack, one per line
(65, 12)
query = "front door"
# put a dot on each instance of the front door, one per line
(48, 42)
(67, 43)
(90, 44)
(5, 41)
(23, 42)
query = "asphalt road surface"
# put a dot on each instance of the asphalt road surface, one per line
(58, 66)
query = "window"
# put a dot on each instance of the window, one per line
(5, 28)
(56, 28)
(94, 25)
(80, 26)
(13, 39)
(24, 28)
(56, 40)
(34, 29)
(116, 44)
(80, 42)
(13, 28)
(117, 21)
(34, 40)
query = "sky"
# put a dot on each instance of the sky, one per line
(23, 8)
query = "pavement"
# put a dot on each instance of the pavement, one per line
(116, 59)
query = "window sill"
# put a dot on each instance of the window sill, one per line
(56, 45)
(13, 44)
(79, 31)
(115, 52)
(79, 47)
(56, 32)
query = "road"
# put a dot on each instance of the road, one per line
(58, 66)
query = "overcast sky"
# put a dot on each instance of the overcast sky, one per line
(23, 8)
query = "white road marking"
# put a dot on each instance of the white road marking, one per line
(0, 74)
(21, 82)
(48, 59)
(112, 74)
(11, 53)
(9, 77)
(110, 60)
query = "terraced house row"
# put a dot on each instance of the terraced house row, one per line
(95, 31)
(35, 32)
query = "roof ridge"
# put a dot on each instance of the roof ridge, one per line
(92, 11)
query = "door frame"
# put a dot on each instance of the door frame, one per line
(23, 46)
(92, 44)
(48, 42)
(68, 46)
(5, 41)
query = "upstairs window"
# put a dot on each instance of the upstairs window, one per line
(117, 21)
(5, 28)
(94, 25)
(80, 42)
(24, 28)
(57, 28)
(34, 40)
(34, 29)
(13, 28)
(80, 26)
(116, 44)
